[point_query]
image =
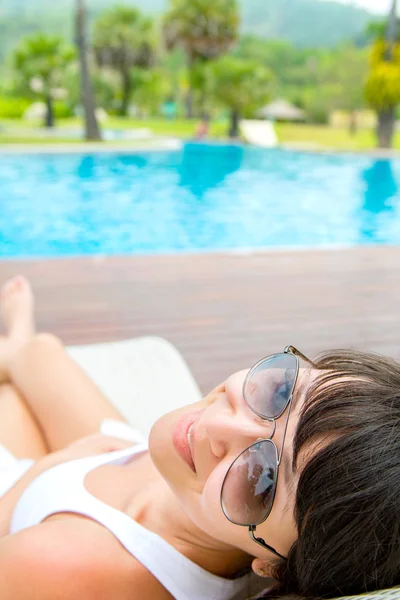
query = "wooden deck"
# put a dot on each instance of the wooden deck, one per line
(224, 311)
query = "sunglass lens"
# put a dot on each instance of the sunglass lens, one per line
(270, 384)
(249, 486)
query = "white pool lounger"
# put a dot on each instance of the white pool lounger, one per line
(259, 133)
(143, 377)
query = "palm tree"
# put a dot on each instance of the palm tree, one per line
(123, 39)
(89, 107)
(40, 61)
(391, 30)
(383, 83)
(205, 29)
(242, 86)
(387, 117)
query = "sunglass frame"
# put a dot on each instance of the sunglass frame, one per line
(288, 406)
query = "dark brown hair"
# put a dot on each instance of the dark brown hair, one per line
(347, 507)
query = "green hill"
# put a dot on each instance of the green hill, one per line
(313, 23)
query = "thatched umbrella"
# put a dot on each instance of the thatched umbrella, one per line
(282, 110)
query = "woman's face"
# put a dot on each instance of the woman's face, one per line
(220, 427)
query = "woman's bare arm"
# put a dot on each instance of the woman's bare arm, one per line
(72, 558)
(58, 560)
(89, 446)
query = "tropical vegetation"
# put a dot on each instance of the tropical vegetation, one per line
(204, 30)
(304, 23)
(196, 60)
(242, 86)
(40, 62)
(123, 38)
(383, 83)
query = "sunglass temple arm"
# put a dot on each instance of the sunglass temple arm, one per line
(260, 542)
(293, 350)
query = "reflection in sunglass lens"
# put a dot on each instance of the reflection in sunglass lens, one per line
(270, 384)
(249, 486)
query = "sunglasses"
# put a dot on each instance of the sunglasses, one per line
(249, 486)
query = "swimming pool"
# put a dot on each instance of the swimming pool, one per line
(204, 197)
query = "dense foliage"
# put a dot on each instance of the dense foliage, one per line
(242, 86)
(382, 87)
(302, 22)
(195, 59)
(383, 83)
(40, 62)
(127, 42)
(122, 39)
(204, 30)
(317, 80)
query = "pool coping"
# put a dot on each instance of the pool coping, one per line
(372, 152)
(239, 253)
(166, 145)
(175, 144)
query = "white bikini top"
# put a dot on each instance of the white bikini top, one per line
(62, 489)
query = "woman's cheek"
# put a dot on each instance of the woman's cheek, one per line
(210, 501)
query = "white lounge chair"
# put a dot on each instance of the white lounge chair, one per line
(259, 133)
(143, 377)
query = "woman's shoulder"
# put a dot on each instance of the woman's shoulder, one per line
(69, 558)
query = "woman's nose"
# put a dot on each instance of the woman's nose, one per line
(232, 432)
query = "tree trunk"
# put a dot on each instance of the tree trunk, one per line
(92, 129)
(391, 31)
(203, 104)
(49, 119)
(234, 127)
(190, 93)
(353, 123)
(126, 92)
(387, 117)
(386, 123)
(189, 104)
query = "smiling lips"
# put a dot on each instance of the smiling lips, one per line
(182, 438)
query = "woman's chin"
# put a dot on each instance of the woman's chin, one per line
(158, 437)
(161, 448)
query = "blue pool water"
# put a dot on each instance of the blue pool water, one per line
(205, 197)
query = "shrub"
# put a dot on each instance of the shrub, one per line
(62, 110)
(382, 88)
(13, 108)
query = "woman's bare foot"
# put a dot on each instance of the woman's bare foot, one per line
(17, 311)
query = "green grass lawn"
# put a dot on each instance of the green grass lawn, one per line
(309, 136)
(328, 137)
(32, 132)
(168, 127)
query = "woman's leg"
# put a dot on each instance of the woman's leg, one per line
(65, 402)
(19, 432)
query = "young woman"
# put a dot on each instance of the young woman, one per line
(288, 470)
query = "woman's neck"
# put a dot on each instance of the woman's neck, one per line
(158, 509)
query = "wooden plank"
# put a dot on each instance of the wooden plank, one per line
(224, 311)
